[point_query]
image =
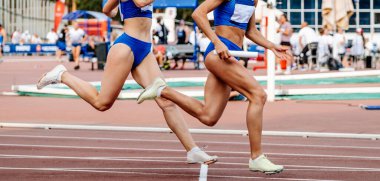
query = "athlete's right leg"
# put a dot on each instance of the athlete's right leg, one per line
(76, 54)
(119, 64)
(144, 74)
(216, 98)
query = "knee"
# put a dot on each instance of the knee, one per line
(166, 105)
(103, 106)
(258, 97)
(208, 120)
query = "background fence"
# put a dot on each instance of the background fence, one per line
(37, 16)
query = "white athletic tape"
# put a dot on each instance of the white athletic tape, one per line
(242, 54)
(203, 172)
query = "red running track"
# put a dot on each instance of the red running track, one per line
(35, 154)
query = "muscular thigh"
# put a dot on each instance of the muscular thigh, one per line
(118, 67)
(233, 74)
(147, 71)
(216, 98)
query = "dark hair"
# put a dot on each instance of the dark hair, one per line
(1, 25)
(159, 19)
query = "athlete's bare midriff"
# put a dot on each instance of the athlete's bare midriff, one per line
(236, 35)
(138, 28)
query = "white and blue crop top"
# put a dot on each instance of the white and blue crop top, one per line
(236, 13)
(128, 9)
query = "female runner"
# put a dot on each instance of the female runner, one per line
(131, 52)
(234, 19)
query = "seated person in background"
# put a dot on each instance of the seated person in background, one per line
(307, 37)
(35, 39)
(159, 53)
(182, 37)
(324, 46)
(90, 47)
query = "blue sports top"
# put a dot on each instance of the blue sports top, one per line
(236, 13)
(128, 9)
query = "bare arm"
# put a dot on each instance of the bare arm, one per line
(200, 17)
(142, 3)
(110, 8)
(255, 35)
(288, 32)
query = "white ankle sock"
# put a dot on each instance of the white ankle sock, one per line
(160, 90)
(253, 160)
(194, 150)
(60, 76)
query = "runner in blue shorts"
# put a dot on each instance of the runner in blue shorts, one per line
(234, 19)
(131, 53)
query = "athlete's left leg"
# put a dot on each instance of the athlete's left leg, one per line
(145, 74)
(1, 54)
(76, 54)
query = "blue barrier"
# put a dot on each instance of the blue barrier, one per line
(29, 48)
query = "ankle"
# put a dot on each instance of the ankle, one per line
(162, 91)
(62, 76)
(256, 155)
(194, 150)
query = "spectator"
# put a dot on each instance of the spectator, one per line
(16, 36)
(182, 37)
(340, 40)
(161, 31)
(61, 42)
(192, 36)
(182, 33)
(159, 53)
(25, 37)
(307, 38)
(77, 36)
(296, 49)
(3, 39)
(286, 31)
(203, 44)
(357, 49)
(35, 39)
(52, 37)
(325, 44)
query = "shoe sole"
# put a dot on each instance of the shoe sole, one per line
(206, 162)
(39, 81)
(268, 173)
(138, 102)
(144, 92)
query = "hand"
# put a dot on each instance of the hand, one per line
(112, 13)
(282, 52)
(223, 52)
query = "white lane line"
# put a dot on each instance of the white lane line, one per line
(170, 161)
(195, 131)
(176, 141)
(176, 150)
(203, 172)
(222, 169)
(152, 173)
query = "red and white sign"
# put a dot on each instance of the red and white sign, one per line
(59, 12)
